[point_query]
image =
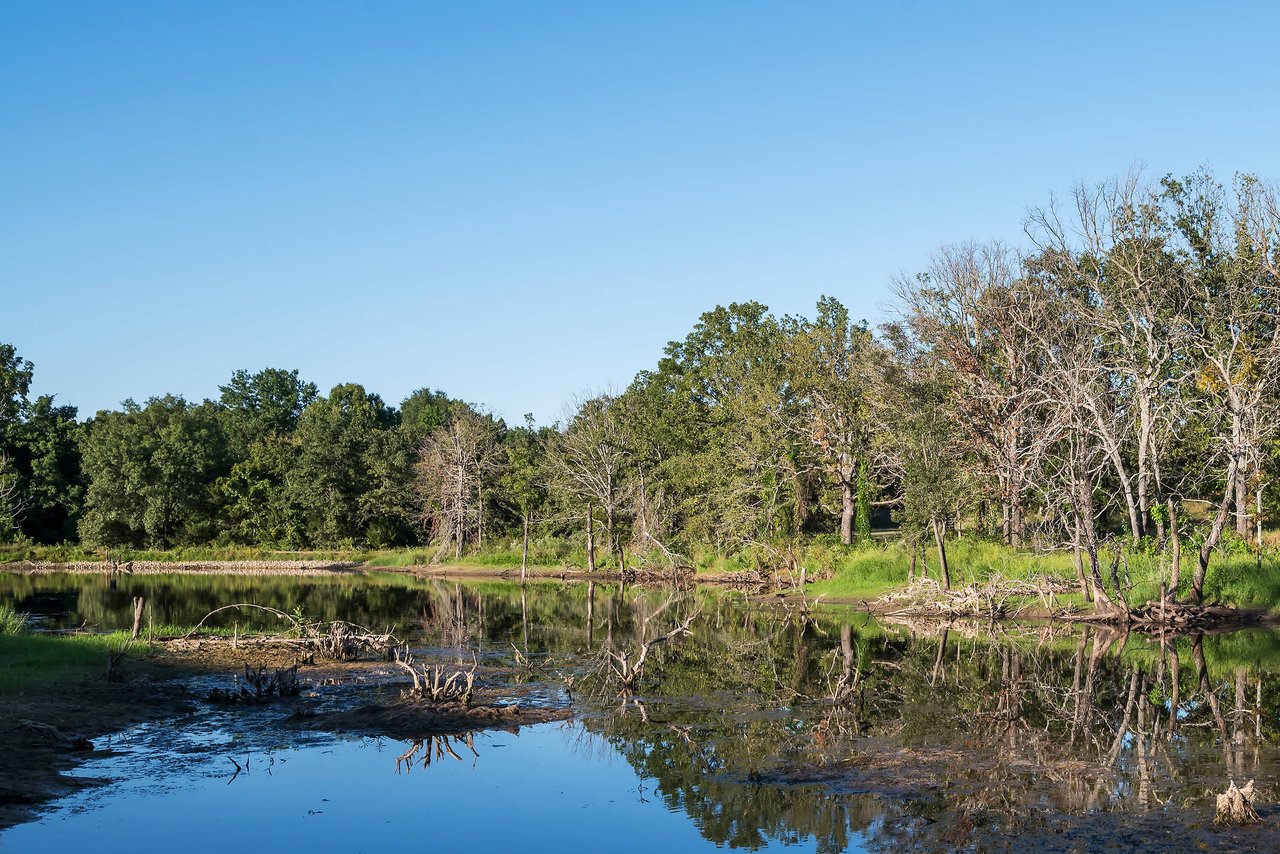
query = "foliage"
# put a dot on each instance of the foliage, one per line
(151, 472)
(12, 622)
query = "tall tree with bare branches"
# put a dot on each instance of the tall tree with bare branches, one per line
(457, 465)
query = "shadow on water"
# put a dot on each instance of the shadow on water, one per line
(765, 728)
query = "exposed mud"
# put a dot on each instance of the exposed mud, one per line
(48, 730)
(415, 719)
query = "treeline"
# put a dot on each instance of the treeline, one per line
(1111, 379)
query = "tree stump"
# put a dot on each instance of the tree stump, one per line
(1235, 806)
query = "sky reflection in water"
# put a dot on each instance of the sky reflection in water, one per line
(553, 787)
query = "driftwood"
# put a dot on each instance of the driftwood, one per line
(1174, 616)
(55, 735)
(927, 597)
(1235, 806)
(337, 640)
(1167, 615)
(431, 682)
(260, 686)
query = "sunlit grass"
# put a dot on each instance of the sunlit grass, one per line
(12, 622)
(31, 658)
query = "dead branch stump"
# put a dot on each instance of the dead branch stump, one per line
(1235, 806)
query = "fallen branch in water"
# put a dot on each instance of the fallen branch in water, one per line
(927, 597)
(260, 686)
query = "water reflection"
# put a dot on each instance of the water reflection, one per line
(779, 727)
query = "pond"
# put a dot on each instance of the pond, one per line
(768, 727)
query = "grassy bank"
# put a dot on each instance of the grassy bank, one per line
(851, 572)
(1234, 575)
(33, 660)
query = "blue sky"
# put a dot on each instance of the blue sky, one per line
(519, 201)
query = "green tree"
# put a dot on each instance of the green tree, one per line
(332, 474)
(268, 403)
(151, 473)
(423, 412)
(260, 505)
(725, 396)
(830, 363)
(523, 483)
(15, 383)
(863, 526)
(46, 455)
(923, 446)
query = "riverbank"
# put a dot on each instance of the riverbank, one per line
(56, 705)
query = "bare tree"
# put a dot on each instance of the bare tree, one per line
(12, 501)
(966, 310)
(457, 464)
(1108, 255)
(588, 460)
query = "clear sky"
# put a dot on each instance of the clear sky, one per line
(518, 201)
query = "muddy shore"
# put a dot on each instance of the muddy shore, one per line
(49, 729)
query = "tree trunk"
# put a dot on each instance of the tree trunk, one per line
(610, 534)
(1242, 508)
(1075, 552)
(1145, 428)
(848, 502)
(1019, 522)
(138, 602)
(1175, 543)
(939, 535)
(1259, 525)
(1088, 536)
(524, 550)
(1241, 490)
(1215, 533)
(591, 539)
(1111, 447)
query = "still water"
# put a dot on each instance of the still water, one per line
(767, 728)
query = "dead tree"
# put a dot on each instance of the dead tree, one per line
(434, 683)
(456, 466)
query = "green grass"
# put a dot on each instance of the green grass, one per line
(400, 558)
(861, 572)
(12, 622)
(1233, 578)
(31, 659)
